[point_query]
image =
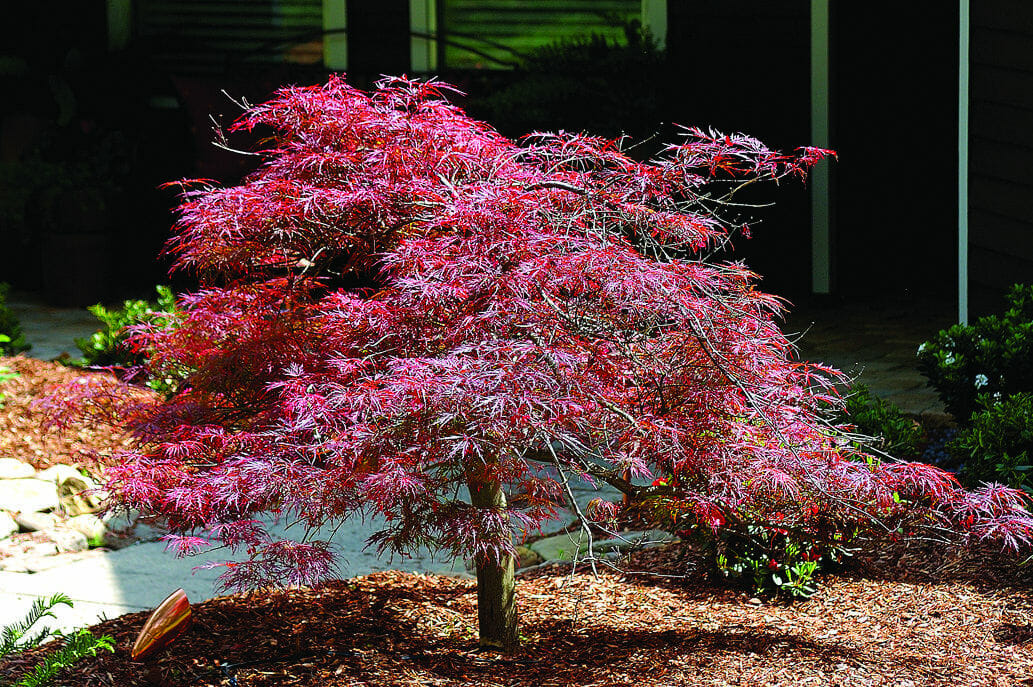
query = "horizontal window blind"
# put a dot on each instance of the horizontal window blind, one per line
(204, 36)
(494, 33)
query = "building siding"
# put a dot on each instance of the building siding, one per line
(1000, 149)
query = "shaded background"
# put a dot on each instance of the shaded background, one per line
(106, 101)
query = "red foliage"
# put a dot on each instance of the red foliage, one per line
(401, 301)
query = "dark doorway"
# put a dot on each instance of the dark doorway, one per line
(894, 124)
(744, 68)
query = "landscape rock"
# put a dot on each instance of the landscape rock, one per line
(145, 531)
(77, 493)
(35, 521)
(32, 560)
(61, 473)
(68, 541)
(43, 548)
(562, 547)
(92, 527)
(77, 502)
(527, 557)
(10, 468)
(22, 546)
(27, 495)
(7, 525)
(37, 564)
(632, 540)
(559, 547)
(121, 520)
(14, 564)
(126, 527)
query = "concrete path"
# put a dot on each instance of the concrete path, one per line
(138, 577)
(51, 331)
(876, 343)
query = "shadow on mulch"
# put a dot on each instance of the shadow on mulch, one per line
(402, 629)
(984, 566)
(399, 630)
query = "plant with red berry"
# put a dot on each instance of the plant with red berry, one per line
(405, 314)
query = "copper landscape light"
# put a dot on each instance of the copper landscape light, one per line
(167, 622)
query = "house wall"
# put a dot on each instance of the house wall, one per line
(1000, 149)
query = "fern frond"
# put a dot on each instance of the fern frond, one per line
(78, 645)
(12, 637)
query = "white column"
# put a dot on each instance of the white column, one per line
(963, 67)
(654, 20)
(821, 227)
(423, 52)
(335, 40)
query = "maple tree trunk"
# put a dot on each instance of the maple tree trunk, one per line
(496, 592)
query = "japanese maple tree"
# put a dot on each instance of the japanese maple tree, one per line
(401, 308)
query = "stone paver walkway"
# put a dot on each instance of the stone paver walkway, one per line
(876, 343)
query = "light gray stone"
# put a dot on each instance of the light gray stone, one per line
(27, 495)
(559, 547)
(7, 525)
(68, 541)
(91, 526)
(62, 473)
(77, 493)
(121, 520)
(35, 521)
(11, 468)
(562, 547)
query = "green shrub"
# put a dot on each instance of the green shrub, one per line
(107, 346)
(773, 558)
(894, 433)
(997, 444)
(992, 356)
(771, 561)
(13, 341)
(20, 636)
(5, 373)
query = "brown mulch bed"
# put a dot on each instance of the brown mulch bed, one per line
(401, 629)
(913, 615)
(23, 434)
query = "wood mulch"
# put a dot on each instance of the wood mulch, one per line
(909, 616)
(23, 434)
